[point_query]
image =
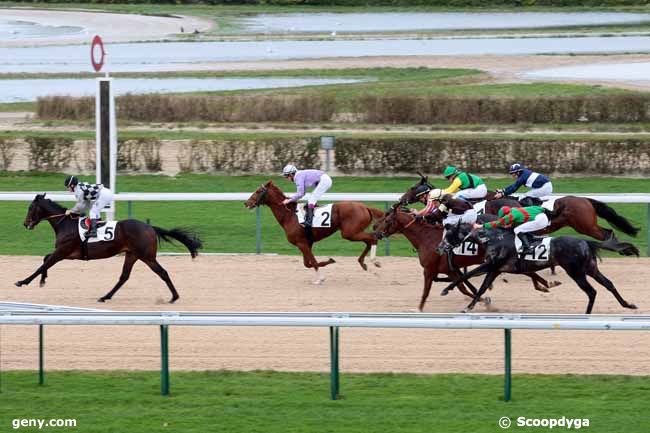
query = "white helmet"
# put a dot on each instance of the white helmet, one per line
(288, 170)
(435, 194)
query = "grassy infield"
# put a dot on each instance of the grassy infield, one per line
(297, 402)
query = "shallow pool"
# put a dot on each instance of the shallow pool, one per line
(30, 90)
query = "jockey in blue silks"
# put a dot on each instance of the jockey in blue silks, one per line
(540, 185)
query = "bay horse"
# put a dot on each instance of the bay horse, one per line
(580, 213)
(351, 218)
(426, 238)
(578, 257)
(139, 241)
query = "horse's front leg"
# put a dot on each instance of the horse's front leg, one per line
(44, 273)
(49, 261)
(489, 279)
(310, 262)
(465, 277)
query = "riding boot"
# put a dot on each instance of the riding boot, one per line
(92, 231)
(309, 216)
(525, 239)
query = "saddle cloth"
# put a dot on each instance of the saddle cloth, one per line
(322, 215)
(542, 249)
(479, 207)
(467, 248)
(105, 230)
(549, 202)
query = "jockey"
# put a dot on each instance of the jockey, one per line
(445, 207)
(305, 179)
(90, 196)
(540, 185)
(464, 185)
(525, 221)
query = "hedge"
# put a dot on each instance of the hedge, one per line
(374, 156)
(369, 109)
(439, 3)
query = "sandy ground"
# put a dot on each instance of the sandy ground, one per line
(267, 283)
(110, 26)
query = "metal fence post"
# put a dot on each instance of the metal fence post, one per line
(129, 206)
(508, 365)
(387, 240)
(164, 360)
(334, 357)
(258, 231)
(648, 229)
(41, 370)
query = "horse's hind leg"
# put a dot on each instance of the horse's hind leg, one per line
(129, 261)
(162, 273)
(371, 245)
(604, 281)
(581, 280)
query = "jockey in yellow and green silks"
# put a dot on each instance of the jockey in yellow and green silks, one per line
(464, 185)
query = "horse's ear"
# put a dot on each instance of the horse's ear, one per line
(269, 183)
(423, 179)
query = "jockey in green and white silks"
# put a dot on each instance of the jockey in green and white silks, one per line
(524, 220)
(464, 185)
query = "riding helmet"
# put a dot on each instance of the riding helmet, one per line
(288, 170)
(450, 171)
(516, 168)
(505, 210)
(70, 181)
(435, 194)
(421, 190)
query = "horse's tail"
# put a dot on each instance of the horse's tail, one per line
(188, 238)
(610, 215)
(611, 244)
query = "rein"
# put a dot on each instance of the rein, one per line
(62, 216)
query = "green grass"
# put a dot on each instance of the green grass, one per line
(229, 227)
(269, 402)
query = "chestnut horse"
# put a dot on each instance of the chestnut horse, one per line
(426, 239)
(577, 212)
(139, 241)
(351, 218)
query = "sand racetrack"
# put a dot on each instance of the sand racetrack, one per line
(280, 283)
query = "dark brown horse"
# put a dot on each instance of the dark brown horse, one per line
(579, 213)
(139, 241)
(351, 218)
(426, 239)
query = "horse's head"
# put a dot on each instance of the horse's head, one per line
(36, 212)
(455, 235)
(409, 197)
(393, 221)
(261, 195)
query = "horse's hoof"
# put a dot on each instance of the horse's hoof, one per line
(318, 282)
(377, 264)
(331, 260)
(487, 300)
(555, 283)
(364, 266)
(41, 284)
(18, 283)
(174, 299)
(101, 300)
(444, 292)
(505, 280)
(464, 311)
(633, 307)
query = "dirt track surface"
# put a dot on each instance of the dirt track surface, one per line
(249, 283)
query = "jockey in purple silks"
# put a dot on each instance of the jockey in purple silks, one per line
(306, 179)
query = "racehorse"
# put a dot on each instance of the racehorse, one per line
(577, 212)
(351, 218)
(426, 238)
(578, 257)
(139, 241)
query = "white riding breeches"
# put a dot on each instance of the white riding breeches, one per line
(539, 223)
(470, 193)
(542, 191)
(324, 184)
(468, 217)
(104, 198)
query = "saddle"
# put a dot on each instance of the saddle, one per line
(86, 223)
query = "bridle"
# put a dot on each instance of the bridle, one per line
(264, 190)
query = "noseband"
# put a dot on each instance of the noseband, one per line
(261, 195)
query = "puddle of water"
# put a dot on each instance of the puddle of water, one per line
(376, 22)
(30, 90)
(618, 71)
(16, 30)
(170, 56)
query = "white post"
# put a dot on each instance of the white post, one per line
(106, 136)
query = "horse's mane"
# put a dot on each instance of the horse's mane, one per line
(51, 205)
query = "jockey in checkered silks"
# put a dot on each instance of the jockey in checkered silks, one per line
(91, 198)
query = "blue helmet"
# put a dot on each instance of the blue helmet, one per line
(516, 168)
